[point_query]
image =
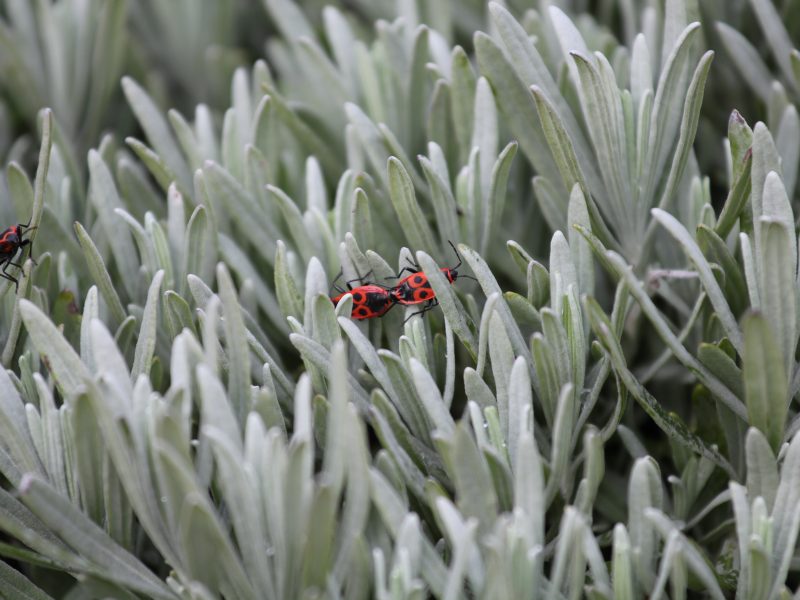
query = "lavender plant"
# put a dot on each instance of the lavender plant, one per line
(605, 407)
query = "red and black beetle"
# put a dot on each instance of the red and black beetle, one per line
(416, 289)
(11, 242)
(369, 300)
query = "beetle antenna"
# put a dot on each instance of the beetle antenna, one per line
(458, 256)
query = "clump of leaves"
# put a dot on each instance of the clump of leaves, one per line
(606, 409)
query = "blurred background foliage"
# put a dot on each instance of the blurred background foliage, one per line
(608, 409)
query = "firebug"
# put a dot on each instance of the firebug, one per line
(369, 300)
(11, 242)
(416, 289)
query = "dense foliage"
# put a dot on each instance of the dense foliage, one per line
(607, 409)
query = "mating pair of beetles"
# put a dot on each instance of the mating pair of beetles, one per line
(374, 300)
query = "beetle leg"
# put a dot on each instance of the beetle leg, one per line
(432, 303)
(403, 270)
(6, 275)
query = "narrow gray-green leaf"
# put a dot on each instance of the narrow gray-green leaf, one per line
(622, 568)
(562, 440)
(688, 128)
(777, 267)
(515, 100)
(23, 291)
(361, 219)
(304, 133)
(451, 306)
(602, 105)
(72, 526)
(216, 411)
(303, 242)
(668, 423)
(143, 242)
(412, 220)
(323, 318)
(289, 18)
(179, 311)
(618, 265)
(765, 159)
(241, 496)
(14, 432)
(369, 355)
(236, 346)
(502, 359)
(157, 130)
(558, 141)
(736, 200)
(201, 247)
(99, 273)
(562, 270)
(230, 198)
(765, 381)
(762, 467)
(146, 344)
(19, 189)
(444, 204)
(695, 255)
(750, 66)
(475, 494)
(111, 365)
(667, 106)
(289, 297)
(787, 141)
(106, 200)
(210, 554)
(722, 366)
(529, 486)
(578, 214)
(490, 286)
(319, 356)
(65, 364)
(776, 37)
(18, 586)
(498, 192)
(161, 247)
(462, 99)
(431, 399)
(786, 515)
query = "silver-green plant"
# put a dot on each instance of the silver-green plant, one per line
(188, 39)
(68, 55)
(606, 410)
(634, 154)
